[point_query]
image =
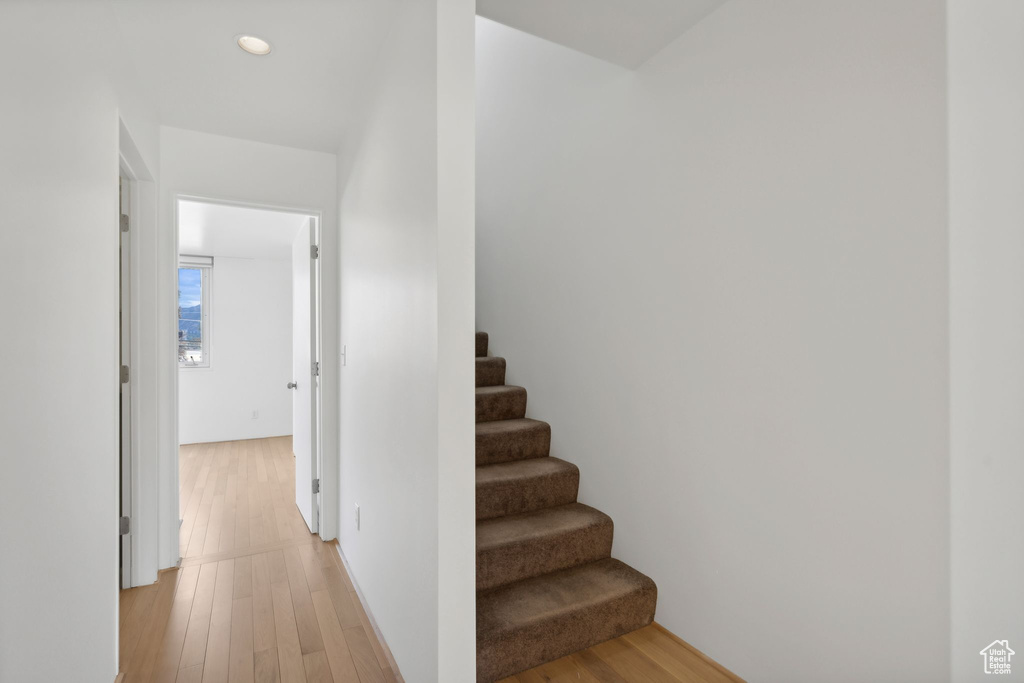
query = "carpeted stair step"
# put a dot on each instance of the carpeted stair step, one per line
(481, 344)
(500, 403)
(517, 547)
(509, 440)
(490, 371)
(525, 624)
(523, 486)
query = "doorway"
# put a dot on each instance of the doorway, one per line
(249, 337)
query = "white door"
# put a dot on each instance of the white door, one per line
(305, 370)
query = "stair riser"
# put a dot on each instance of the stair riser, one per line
(524, 444)
(490, 371)
(481, 344)
(511, 498)
(517, 561)
(555, 637)
(507, 405)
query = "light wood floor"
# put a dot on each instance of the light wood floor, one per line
(650, 655)
(257, 597)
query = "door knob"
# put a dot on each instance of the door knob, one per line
(292, 385)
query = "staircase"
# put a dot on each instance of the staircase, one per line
(546, 583)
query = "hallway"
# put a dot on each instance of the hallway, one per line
(257, 597)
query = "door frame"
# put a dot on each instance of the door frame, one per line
(316, 341)
(136, 489)
(127, 332)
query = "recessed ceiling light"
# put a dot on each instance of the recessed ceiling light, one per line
(253, 45)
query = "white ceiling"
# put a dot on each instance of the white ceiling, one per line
(625, 32)
(301, 95)
(236, 231)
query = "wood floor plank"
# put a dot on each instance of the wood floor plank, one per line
(202, 521)
(218, 644)
(311, 567)
(632, 664)
(131, 629)
(191, 674)
(667, 654)
(194, 648)
(564, 670)
(342, 598)
(342, 667)
(588, 661)
(267, 670)
(305, 617)
(126, 598)
(147, 649)
(242, 497)
(243, 577)
(363, 657)
(241, 667)
(166, 668)
(317, 668)
(190, 509)
(275, 562)
(264, 635)
(289, 652)
(371, 634)
(256, 534)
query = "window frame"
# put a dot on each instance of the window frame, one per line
(204, 264)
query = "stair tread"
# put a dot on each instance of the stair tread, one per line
(500, 441)
(490, 371)
(522, 424)
(509, 472)
(512, 488)
(538, 524)
(541, 598)
(500, 402)
(500, 389)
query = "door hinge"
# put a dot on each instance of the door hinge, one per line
(314, 251)
(124, 222)
(124, 374)
(126, 525)
(316, 486)
(316, 368)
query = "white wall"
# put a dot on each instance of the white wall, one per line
(250, 356)
(723, 279)
(212, 166)
(59, 137)
(986, 147)
(405, 190)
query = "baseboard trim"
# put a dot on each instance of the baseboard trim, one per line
(371, 622)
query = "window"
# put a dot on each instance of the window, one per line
(194, 311)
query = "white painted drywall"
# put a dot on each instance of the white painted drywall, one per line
(405, 191)
(217, 167)
(456, 367)
(986, 148)
(250, 356)
(722, 279)
(59, 137)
